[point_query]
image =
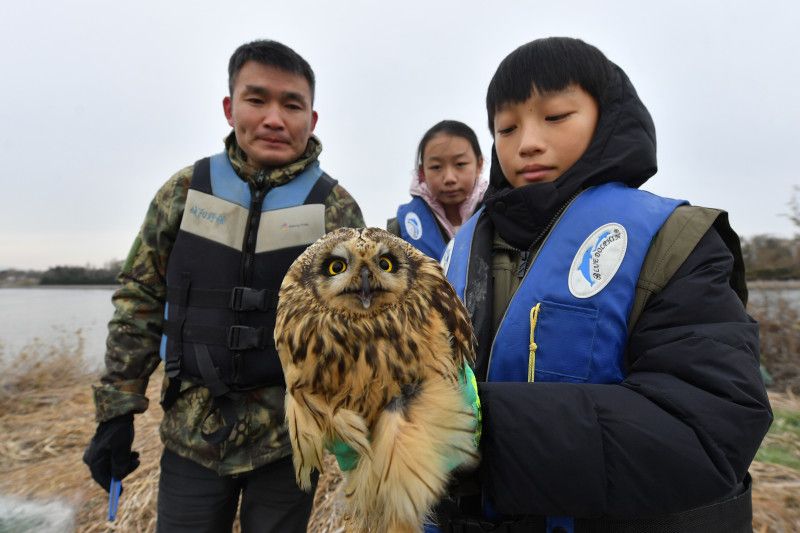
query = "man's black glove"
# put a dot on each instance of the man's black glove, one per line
(109, 452)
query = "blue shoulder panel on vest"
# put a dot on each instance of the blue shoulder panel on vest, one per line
(226, 184)
(418, 227)
(294, 192)
(457, 266)
(583, 280)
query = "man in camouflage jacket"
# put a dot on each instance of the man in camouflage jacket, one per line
(270, 110)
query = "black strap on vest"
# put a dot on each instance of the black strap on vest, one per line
(237, 299)
(172, 364)
(201, 176)
(232, 337)
(734, 515)
(321, 190)
(222, 397)
(174, 327)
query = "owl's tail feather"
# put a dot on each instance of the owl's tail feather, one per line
(416, 441)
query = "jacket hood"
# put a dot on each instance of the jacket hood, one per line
(623, 149)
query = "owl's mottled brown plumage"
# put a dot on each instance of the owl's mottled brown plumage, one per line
(372, 338)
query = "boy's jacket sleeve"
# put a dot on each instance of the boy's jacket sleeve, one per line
(679, 432)
(134, 333)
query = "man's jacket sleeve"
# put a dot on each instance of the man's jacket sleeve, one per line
(679, 432)
(342, 211)
(134, 333)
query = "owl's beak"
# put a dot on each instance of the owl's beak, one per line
(365, 294)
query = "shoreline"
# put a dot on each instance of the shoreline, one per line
(773, 284)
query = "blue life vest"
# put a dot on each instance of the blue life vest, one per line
(418, 226)
(577, 293)
(583, 281)
(231, 253)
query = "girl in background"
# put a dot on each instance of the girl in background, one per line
(446, 188)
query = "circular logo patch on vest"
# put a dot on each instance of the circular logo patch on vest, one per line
(597, 260)
(413, 226)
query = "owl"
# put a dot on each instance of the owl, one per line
(372, 339)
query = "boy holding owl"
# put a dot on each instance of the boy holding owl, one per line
(618, 369)
(199, 292)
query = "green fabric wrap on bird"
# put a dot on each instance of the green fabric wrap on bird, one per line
(469, 389)
(347, 457)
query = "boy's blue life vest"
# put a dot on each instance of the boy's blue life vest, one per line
(567, 321)
(235, 244)
(418, 226)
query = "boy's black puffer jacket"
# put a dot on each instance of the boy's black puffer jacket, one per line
(682, 428)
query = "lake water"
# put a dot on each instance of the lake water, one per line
(772, 296)
(57, 316)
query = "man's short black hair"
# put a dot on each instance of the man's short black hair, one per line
(544, 65)
(272, 54)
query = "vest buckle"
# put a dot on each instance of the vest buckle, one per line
(244, 337)
(248, 299)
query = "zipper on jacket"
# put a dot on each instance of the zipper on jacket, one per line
(541, 238)
(257, 194)
(542, 234)
(522, 267)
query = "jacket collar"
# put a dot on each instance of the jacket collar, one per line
(274, 175)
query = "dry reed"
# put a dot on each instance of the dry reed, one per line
(46, 416)
(779, 329)
(46, 410)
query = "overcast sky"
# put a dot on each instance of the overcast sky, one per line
(100, 102)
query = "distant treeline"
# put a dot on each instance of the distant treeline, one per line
(765, 258)
(74, 275)
(768, 257)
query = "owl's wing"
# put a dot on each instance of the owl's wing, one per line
(445, 300)
(306, 441)
(312, 420)
(306, 432)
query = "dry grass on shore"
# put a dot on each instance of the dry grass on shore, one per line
(46, 416)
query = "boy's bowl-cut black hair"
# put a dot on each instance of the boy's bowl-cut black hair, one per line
(549, 64)
(272, 54)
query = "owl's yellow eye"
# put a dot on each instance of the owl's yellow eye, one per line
(336, 266)
(386, 263)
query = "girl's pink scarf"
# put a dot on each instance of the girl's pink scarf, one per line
(420, 188)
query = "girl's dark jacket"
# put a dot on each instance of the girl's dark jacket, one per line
(680, 431)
